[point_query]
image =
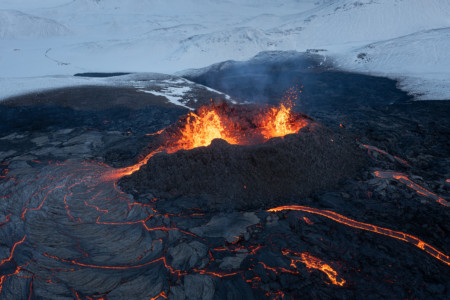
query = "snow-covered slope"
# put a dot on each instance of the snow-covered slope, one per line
(347, 21)
(421, 61)
(428, 49)
(176, 90)
(169, 36)
(15, 24)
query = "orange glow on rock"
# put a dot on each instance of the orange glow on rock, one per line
(3, 261)
(221, 121)
(214, 122)
(368, 227)
(312, 262)
(403, 178)
(116, 174)
(279, 121)
(201, 128)
(308, 221)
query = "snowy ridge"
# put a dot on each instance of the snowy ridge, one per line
(345, 21)
(423, 56)
(244, 41)
(15, 24)
(176, 90)
(170, 36)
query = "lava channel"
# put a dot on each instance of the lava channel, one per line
(403, 178)
(368, 227)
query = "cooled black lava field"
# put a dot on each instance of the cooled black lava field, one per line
(372, 223)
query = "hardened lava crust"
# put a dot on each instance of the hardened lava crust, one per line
(223, 175)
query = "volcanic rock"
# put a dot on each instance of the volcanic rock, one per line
(232, 262)
(243, 177)
(85, 228)
(199, 287)
(228, 226)
(185, 256)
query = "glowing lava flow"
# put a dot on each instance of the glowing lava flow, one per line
(398, 159)
(403, 178)
(380, 230)
(313, 262)
(115, 174)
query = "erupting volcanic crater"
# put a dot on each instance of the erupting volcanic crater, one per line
(240, 156)
(229, 202)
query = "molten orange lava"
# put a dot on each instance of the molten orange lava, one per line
(398, 159)
(116, 174)
(380, 230)
(312, 262)
(222, 122)
(279, 121)
(216, 122)
(403, 178)
(202, 128)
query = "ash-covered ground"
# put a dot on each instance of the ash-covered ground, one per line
(68, 233)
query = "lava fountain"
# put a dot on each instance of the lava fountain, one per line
(237, 128)
(235, 125)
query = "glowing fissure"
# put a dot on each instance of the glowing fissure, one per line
(310, 262)
(398, 159)
(10, 258)
(11, 255)
(403, 178)
(368, 227)
(313, 262)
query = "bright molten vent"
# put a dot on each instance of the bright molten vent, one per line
(238, 125)
(243, 156)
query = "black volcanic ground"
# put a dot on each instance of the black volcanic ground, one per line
(223, 176)
(65, 233)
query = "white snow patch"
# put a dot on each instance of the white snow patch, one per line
(11, 87)
(173, 94)
(227, 97)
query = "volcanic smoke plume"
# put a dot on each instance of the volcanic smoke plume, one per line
(245, 157)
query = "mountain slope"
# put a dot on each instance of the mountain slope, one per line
(15, 24)
(421, 61)
(350, 21)
(169, 36)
